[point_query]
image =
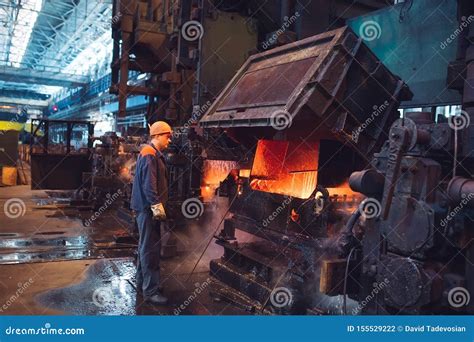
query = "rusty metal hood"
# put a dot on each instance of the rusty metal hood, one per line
(331, 75)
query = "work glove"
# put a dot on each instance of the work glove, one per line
(158, 212)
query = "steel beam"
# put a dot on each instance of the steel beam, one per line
(24, 102)
(24, 75)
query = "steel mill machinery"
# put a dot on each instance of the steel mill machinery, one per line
(166, 42)
(60, 153)
(415, 219)
(113, 167)
(188, 51)
(418, 217)
(286, 121)
(113, 161)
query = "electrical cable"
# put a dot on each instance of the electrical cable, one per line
(344, 305)
(212, 237)
(455, 157)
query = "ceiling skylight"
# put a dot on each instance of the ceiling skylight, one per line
(94, 54)
(24, 23)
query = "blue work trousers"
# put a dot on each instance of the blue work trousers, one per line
(149, 248)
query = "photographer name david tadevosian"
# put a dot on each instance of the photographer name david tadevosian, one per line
(434, 328)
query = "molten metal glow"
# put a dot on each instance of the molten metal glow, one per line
(125, 173)
(343, 190)
(244, 173)
(295, 217)
(214, 172)
(285, 167)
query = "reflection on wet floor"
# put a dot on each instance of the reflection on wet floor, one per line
(109, 289)
(54, 246)
(90, 270)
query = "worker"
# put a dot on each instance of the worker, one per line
(149, 197)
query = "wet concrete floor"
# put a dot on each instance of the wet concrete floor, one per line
(50, 263)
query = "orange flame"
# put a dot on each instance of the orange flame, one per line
(343, 190)
(214, 172)
(285, 167)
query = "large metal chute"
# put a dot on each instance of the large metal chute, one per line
(326, 85)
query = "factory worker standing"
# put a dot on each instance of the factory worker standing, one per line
(149, 197)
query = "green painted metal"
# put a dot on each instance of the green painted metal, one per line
(415, 44)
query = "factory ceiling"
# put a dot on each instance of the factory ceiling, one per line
(41, 41)
(49, 45)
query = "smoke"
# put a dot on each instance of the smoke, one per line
(329, 249)
(199, 232)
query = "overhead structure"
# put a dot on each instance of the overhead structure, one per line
(42, 41)
(31, 76)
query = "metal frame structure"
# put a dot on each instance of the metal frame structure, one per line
(58, 169)
(63, 29)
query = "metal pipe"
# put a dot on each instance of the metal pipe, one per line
(461, 190)
(368, 182)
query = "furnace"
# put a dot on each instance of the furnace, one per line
(292, 111)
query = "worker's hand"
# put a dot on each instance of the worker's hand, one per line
(158, 212)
